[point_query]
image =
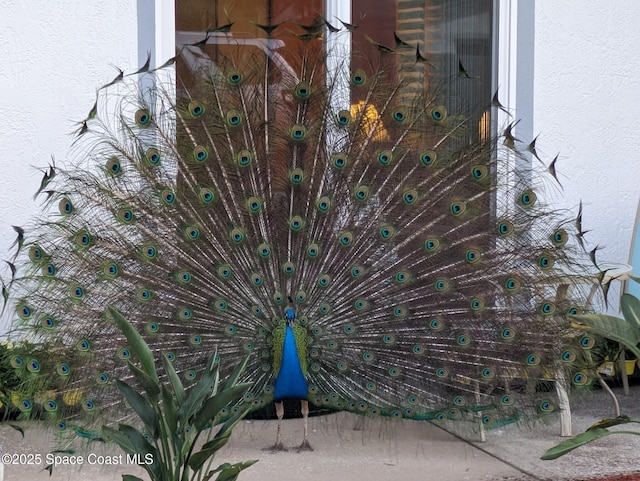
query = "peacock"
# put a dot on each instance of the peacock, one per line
(341, 216)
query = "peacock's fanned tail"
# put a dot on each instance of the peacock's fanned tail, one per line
(428, 280)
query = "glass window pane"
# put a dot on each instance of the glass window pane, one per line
(453, 38)
(246, 44)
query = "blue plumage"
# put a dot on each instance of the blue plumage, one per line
(290, 383)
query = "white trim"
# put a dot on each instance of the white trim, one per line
(165, 31)
(506, 28)
(337, 9)
(338, 55)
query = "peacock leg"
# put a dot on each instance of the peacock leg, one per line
(280, 413)
(305, 446)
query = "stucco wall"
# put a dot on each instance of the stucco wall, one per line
(53, 56)
(586, 104)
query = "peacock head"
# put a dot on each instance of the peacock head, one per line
(290, 315)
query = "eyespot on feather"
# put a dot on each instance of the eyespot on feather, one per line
(142, 117)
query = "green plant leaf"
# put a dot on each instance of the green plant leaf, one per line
(610, 327)
(228, 426)
(220, 439)
(214, 404)
(230, 472)
(574, 442)
(608, 422)
(142, 447)
(630, 307)
(137, 344)
(120, 439)
(198, 459)
(149, 385)
(141, 406)
(129, 477)
(174, 380)
(198, 394)
(137, 439)
(217, 470)
(170, 417)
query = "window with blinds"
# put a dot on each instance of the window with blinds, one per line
(454, 37)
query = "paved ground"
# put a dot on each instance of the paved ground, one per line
(386, 450)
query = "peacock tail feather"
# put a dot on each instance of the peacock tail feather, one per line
(419, 274)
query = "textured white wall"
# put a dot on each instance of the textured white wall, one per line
(54, 55)
(586, 105)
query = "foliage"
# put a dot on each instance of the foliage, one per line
(597, 431)
(174, 418)
(625, 330)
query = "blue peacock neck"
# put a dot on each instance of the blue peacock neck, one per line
(290, 380)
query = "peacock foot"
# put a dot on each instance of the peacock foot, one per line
(278, 447)
(305, 446)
